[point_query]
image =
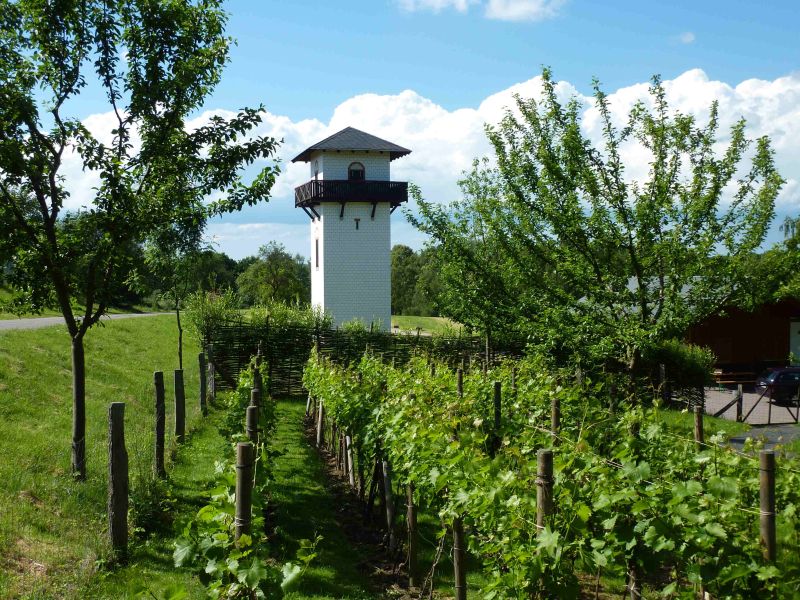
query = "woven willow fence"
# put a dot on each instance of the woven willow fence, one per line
(287, 348)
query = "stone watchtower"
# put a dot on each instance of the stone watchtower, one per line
(350, 199)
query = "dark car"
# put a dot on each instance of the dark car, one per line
(780, 385)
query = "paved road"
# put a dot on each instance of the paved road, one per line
(39, 322)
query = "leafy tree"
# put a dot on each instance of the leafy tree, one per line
(558, 242)
(275, 276)
(405, 272)
(153, 63)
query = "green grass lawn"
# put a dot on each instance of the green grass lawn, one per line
(426, 324)
(53, 529)
(683, 422)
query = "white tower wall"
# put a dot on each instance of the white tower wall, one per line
(350, 255)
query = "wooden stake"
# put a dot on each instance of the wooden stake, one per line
(698, 428)
(767, 497)
(390, 510)
(245, 465)
(460, 382)
(201, 361)
(555, 420)
(320, 417)
(349, 460)
(739, 402)
(210, 375)
(414, 579)
(158, 462)
(251, 423)
(544, 486)
(255, 397)
(117, 481)
(459, 560)
(180, 407)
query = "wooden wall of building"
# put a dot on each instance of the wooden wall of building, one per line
(749, 340)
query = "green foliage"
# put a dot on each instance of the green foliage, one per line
(280, 314)
(628, 490)
(275, 276)
(206, 310)
(687, 365)
(415, 281)
(560, 244)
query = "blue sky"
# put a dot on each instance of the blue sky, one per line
(428, 73)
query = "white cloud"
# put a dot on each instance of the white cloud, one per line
(444, 143)
(502, 10)
(435, 6)
(687, 37)
(523, 10)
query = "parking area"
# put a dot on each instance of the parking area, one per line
(765, 413)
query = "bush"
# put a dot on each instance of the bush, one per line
(687, 365)
(207, 310)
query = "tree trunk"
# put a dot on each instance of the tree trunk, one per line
(78, 409)
(180, 336)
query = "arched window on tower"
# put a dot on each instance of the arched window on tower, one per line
(355, 172)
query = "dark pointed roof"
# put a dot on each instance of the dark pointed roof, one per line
(351, 139)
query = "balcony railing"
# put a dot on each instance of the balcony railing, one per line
(316, 191)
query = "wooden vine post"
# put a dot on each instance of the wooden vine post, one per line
(351, 475)
(320, 422)
(389, 503)
(245, 465)
(459, 559)
(160, 424)
(544, 486)
(180, 407)
(699, 437)
(739, 402)
(414, 579)
(555, 420)
(201, 361)
(211, 384)
(460, 382)
(767, 498)
(117, 482)
(251, 423)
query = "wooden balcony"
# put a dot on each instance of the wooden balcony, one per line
(318, 191)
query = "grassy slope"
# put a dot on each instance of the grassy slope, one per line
(52, 529)
(5, 296)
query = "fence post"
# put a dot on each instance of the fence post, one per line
(117, 481)
(244, 487)
(544, 486)
(201, 361)
(320, 419)
(767, 498)
(210, 375)
(180, 407)
(459, 560)
(698, 428)
(158, 463)
(251, 423)
(255, 397)
(555, 420)
(739, 402)
(387, 488)
(460, 382)
(413, 538)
